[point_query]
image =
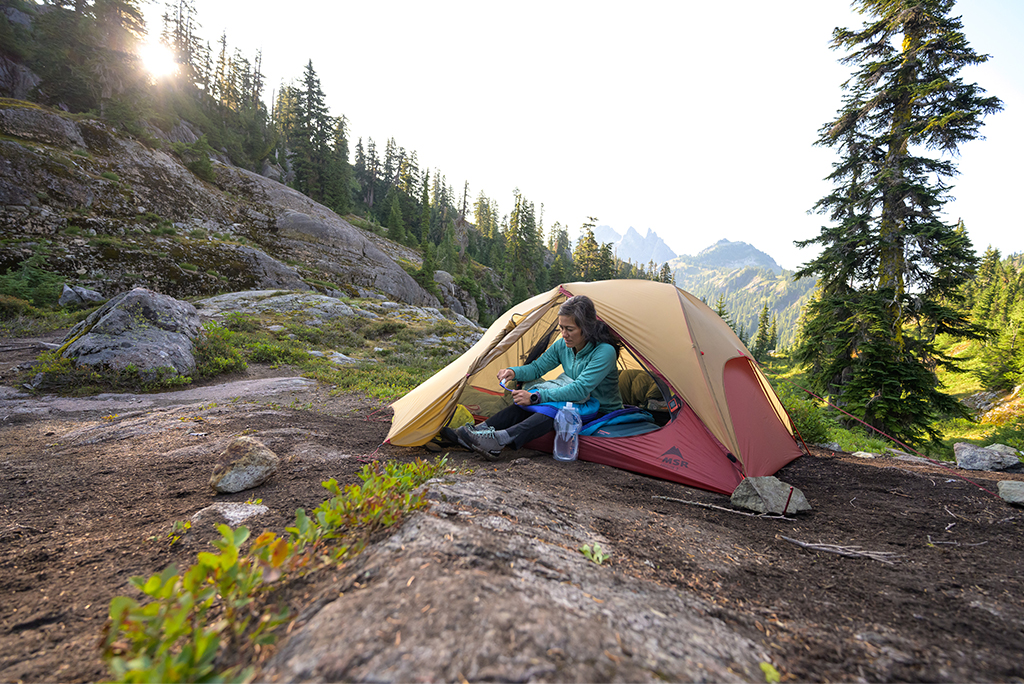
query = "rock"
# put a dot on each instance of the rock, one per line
(269, 272)
(245, 464)
(230, 513)
(454, 297)
(769, 495)
(30, 122)
(16, 80)
(74, 296)
(864, 454)
(980, 401)
(141, 328)
(830, 446)
(973, 457)
(1011, 491)
(572, 619)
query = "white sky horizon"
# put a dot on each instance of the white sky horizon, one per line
(695, 120)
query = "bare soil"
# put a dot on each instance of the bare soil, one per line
(88, 496)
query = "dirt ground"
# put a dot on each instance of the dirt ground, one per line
(88, 497)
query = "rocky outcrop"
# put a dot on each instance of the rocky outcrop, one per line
(106, 202)
(141, 329)
(490, 587)
(454, 297)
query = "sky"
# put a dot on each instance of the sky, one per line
(696, 120)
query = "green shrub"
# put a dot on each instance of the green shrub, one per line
(215, 352)
(11, 307)
(188, 267)
(32, 282)
(812, 421)
(111, 176)
(275, 353)
(241, 322)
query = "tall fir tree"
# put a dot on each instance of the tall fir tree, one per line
(762, 338)
(890, 268)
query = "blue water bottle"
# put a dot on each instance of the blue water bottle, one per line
(567, 433)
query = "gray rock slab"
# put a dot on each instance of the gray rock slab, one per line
(769, 495)
(513, 600)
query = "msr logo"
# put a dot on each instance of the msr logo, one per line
(674, 458)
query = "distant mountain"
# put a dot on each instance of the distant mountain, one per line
(731, 255)
(746, 278)
(634, 247)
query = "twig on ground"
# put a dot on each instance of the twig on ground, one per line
(946, 508)
(851, 551)
(954, 543)
(723, 508)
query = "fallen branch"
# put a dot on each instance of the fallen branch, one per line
(850, 551)
(723, 508)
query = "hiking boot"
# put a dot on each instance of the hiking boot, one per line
(453, 436)
(481, 440)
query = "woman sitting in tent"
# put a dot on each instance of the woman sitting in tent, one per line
(587, 352)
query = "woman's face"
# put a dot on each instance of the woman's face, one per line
(571, 332)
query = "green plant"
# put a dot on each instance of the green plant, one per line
(111, 176)
(594, 553)
(79, 152)
(215, 352)
(241, 322)
(31, 281)
(178, 530)
(812, 421)
(771, 675)
(214, 614)
(72, 230)
(188, 267)
(11, 307)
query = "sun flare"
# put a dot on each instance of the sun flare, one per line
(158, 59)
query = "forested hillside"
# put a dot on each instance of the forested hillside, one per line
(82, 57)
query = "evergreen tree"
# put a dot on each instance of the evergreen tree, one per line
(762, 338)
(723, 313)
(311, 156)
(396, 227)
(585, 256)
(890, 269)
(666, 274)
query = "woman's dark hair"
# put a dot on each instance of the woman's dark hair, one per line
(581, 308)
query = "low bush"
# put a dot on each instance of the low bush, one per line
(812, 421)
(208, 622)
(215, 352)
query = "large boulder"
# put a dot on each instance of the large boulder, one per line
(141, 328)
(994, 457)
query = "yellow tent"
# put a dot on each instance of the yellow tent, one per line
(725, 423)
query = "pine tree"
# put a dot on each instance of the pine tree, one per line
(762, 338)
(889, 269)
(396, 227)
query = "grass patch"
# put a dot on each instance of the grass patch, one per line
(63, 376)
(110, 176)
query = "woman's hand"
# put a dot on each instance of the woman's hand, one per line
(506, 374)
(522, 397)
